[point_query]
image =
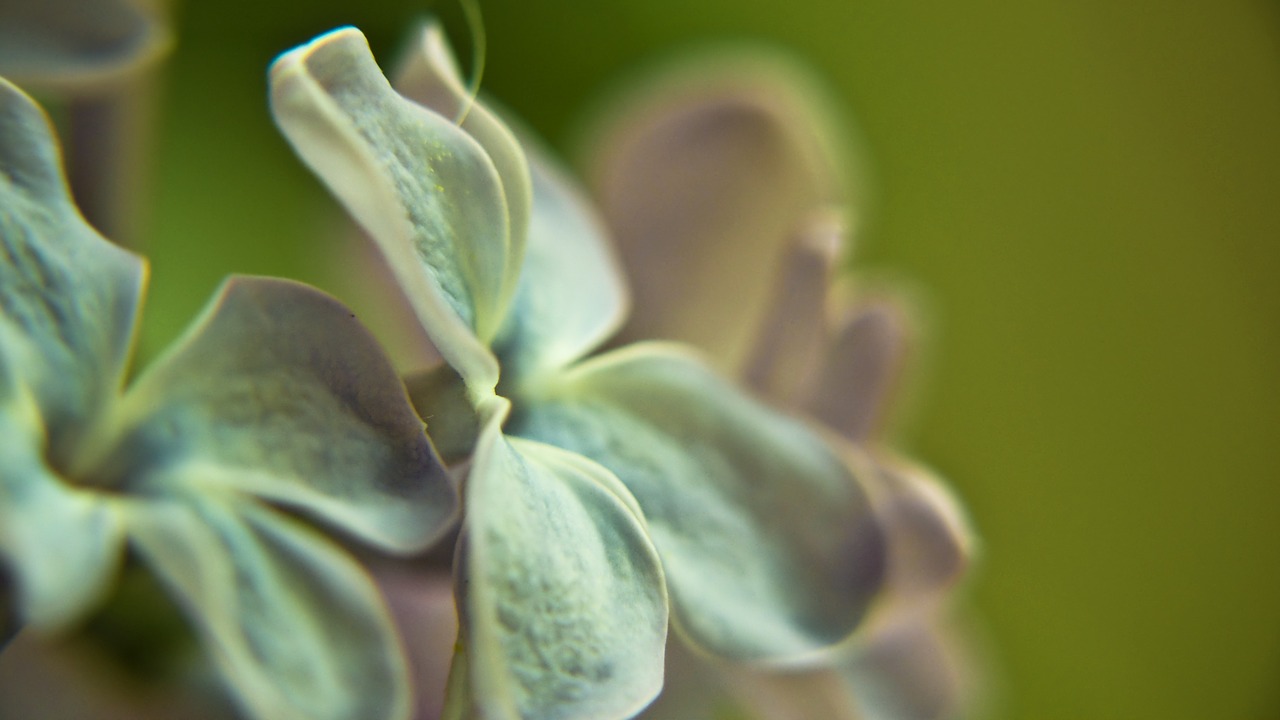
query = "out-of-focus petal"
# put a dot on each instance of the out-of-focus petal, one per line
(422, 604)
(703, 180)
(911, 673)
(857, 377)
(61, 544)
(788, 349)
(698, 688)
(295, 625)
(930, 540)
(769, 544)
(78, 45)
(279, 392)
(68, 298)
(426, 191)
(560, 591)
(571, 295)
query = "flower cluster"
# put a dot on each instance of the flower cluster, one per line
(687, 500)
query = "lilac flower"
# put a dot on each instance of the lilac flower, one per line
(602, 488)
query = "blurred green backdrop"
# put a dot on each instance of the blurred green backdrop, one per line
(1088, 191)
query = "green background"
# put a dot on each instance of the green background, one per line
(1086, 194)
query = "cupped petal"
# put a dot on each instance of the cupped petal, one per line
(561, 593)
(279, 392)
(426, 191)
(296, 627)
(769, 544)
(68, 298)
(703, 178)
(78, 45)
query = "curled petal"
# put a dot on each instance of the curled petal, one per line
(296, 627)
(704, 179)
(427, 192)
(279, 392)
(68, 298)
(571, 295)
(429, 76)
(561, 593)
(78, 45)
(768, 541)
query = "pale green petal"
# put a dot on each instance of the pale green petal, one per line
(769, 544)
(426, 191)
(278, 391)
(68, 298)
(78, 45)
(429, 76)
(704, 177)
(297, 629)
(561, 593)
(458, 692)
(572, 295)
(62, 545)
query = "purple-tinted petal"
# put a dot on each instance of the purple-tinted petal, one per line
(704, 179)
(78, 45)
(794, 330)
(860, 369)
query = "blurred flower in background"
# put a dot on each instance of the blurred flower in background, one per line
(721, 180)
(97, 64)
